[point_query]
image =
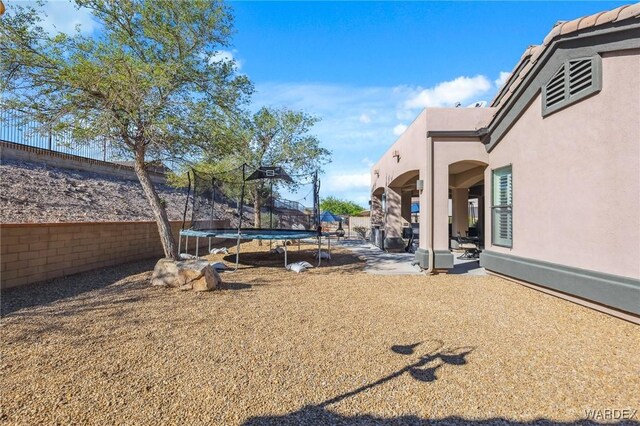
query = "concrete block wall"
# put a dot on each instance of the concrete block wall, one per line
(31, 253)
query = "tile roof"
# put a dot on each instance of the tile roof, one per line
(561, 28)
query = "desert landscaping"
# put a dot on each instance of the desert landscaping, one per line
(328, 346)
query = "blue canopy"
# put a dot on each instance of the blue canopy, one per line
(327, 216)
(415, 207)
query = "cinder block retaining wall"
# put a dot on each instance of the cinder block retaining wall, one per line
(36, 252)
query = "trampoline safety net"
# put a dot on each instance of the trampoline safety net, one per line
(227, 200)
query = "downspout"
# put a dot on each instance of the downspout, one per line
(430, 241)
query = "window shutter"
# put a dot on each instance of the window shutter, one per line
(502, 207)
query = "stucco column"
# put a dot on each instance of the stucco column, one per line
(460, 210)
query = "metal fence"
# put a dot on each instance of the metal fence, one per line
(14, 128)
(286, 204)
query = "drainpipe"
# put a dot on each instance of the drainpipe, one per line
(430, 244)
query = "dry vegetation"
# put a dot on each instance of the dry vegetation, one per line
(330, 346)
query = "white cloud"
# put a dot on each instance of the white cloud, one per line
(502, 79)
(399, 129)
(344, 182)
(60, 16)
(226, 56)
(448, 93)
(364, 118)
(355, 143)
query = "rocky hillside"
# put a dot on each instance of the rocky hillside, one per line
(37, 193)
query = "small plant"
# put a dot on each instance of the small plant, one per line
(163, 203)
(361, 232)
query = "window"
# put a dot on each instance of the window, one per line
(574, 80)
(502, 207)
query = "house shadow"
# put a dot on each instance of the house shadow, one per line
(315, 415)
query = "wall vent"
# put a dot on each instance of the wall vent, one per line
(574, 80)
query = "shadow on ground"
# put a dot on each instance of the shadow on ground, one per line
(314, 415)
(464, 268)
(424, 370)
(340, 262)
(47, 292)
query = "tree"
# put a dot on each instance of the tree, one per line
(149, 82)
(274, 137)
(340, 207)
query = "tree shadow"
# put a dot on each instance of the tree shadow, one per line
(418, 370)
(425, 370)
(234, 286)
(71, 286)
(340, 262)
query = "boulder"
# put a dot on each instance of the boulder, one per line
(197, 275)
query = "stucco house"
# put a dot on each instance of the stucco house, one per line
(553, 162)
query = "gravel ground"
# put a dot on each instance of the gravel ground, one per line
(330, 346)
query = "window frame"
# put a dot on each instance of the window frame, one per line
(494, 207)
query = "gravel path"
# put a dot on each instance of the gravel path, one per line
(330, 346)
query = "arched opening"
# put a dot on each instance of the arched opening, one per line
(466, 206)
(401, 221)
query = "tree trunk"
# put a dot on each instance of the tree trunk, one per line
(159, 212)
(257, 216)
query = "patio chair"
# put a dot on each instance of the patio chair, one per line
(470, 247)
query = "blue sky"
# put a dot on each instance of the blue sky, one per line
(368, 68)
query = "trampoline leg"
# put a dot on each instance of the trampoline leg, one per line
(285, 254)
(209, 244)
(179, 243)
(197, 245)
(237, 254)
(186, 244)
(319, 249)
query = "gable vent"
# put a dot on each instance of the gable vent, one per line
(555, 88)
(574, 80)
(580, 75)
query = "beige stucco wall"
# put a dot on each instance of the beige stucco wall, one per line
(576, 177)
(415, 155)
(412, 148)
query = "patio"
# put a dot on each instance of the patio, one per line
(332, 345)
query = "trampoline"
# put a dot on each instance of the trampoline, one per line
(304, 225)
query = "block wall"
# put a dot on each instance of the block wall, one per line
(31, 253)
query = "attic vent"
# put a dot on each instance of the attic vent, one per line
(555, 88)
(580, 75)
(574, 80)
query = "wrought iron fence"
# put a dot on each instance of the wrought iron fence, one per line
(14, 128)
(286, 204)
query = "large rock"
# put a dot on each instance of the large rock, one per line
(195, 275)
